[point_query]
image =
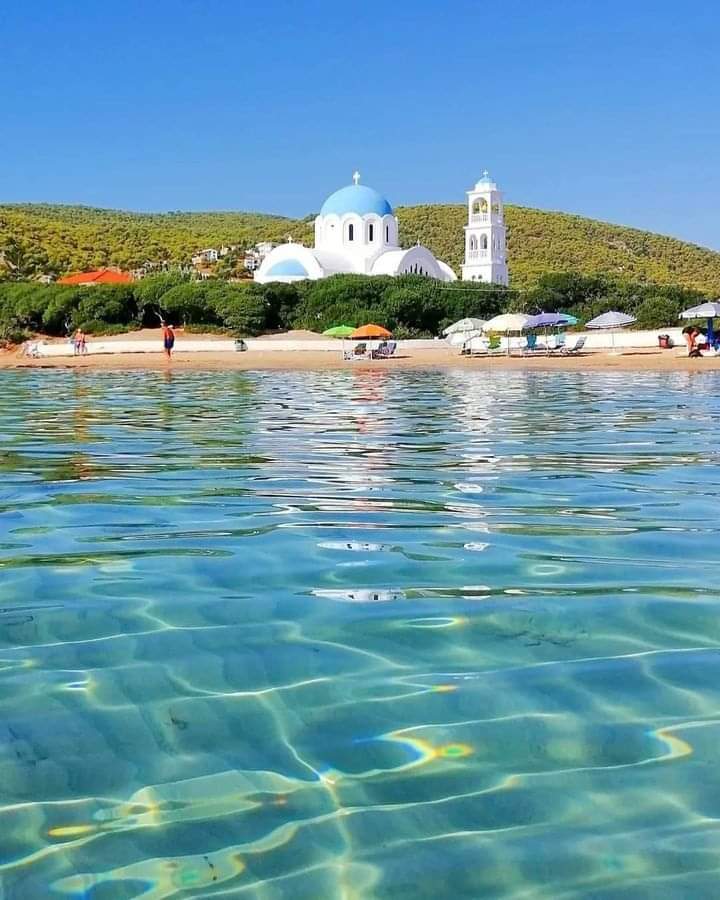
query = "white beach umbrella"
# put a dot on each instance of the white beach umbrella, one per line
(707, 311)
(457, 338)
(704, 311)
(506, 323)
(464, 325)
(609, 321)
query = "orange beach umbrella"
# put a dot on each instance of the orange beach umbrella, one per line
(370, 331)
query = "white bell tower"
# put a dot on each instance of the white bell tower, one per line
(485, 240)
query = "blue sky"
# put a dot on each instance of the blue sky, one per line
(605, 109)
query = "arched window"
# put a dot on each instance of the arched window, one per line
(483, 242)
(387, 234)
(371, 232)
(473, 242)
(351, 232)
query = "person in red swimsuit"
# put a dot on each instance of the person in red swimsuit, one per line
(168, 339)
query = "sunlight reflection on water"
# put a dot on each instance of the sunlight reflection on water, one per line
(359, 634)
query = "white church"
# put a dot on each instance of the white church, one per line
(357, 232)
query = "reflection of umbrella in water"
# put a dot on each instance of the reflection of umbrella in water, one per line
(608, 321)
(707, 311)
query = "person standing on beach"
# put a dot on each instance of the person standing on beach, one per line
(168, 339)
(79, 345)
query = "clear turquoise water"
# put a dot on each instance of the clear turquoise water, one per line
(359, 634)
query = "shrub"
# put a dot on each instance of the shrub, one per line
(242, 309)
(188, 304)
(108, 304)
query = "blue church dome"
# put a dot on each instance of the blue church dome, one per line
(356, 198)
(288, 267)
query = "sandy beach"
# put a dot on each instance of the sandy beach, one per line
(442, 357)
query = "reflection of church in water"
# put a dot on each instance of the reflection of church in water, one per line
(357, 232)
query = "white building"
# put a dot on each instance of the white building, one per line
(356, 232)
(205, 256)
(485, 235)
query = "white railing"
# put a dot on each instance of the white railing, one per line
(478, 254)
(485, 219)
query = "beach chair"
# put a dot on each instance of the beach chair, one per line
(572, 349)
(495, 344)
(530, 345)
(384, 350)
(359, 351)
(557, 344)
(475, 346)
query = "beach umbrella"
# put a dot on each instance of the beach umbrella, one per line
(458, 338)
(707, 311)
(339, 331)
(464, 325)
(570, 320)
(548, 320)
(506, 323)
(369, 331)
(609, 321)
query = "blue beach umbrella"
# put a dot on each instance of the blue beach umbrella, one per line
(548, 320)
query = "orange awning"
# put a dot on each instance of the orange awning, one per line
(370, 331)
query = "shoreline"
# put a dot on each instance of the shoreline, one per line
(307, 351)
(308, 360)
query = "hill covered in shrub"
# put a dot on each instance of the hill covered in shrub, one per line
(61, 239)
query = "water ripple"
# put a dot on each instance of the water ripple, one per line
(359, 634)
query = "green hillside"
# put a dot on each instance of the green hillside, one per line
(60, 239)
(540, 242)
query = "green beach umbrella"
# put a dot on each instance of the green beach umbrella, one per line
(339, 331)
(569, 320)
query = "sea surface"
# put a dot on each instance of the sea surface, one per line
(359, 634)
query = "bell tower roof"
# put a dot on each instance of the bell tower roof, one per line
(486, 183)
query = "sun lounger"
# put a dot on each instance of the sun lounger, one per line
(556, 344)
(495, 345)
(572, 349)
(531, 345)
(359, 351)
(475, 346)
(384, 350)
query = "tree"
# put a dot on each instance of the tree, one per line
(241, 308)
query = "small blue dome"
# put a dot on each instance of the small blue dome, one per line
(288, 267)
(356, 198)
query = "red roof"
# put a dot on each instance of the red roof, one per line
(99, 276)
